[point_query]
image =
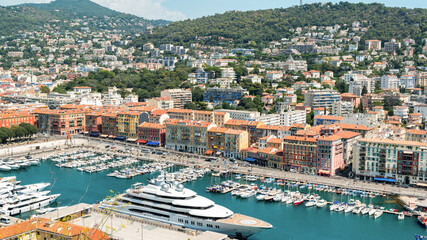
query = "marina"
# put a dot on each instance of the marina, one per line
(288, 220)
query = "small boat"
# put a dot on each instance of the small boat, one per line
(423, 220)
(260, 197)
(378, 214)
(311, 203)
(298, 201)
(340, 208)
(321, 203)
(365, 210)
(401, 216)
(357, 210)
(5, 168)
(334, 206)
(372, 211)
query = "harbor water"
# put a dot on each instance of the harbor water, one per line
(290, 222)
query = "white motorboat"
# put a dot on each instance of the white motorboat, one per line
(357, 210)
(378, 213)
(171, 203)
(321, 203)
(5, 168)
(365, 210)
(372, 211)
(401, 216)
(260, 197)
(311, 203)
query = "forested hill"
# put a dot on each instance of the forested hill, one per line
(267, 25)
(28, 17)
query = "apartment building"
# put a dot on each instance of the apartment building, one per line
(300, 154)
(109, 124)
(373, 44)
(93, 122)
(321, 98)
(249, 126)
(153, 132)
(401, 111)
(10, 118)
(179, 96)
(390, 160)
(229, 142)
(329, 155)
(187, 136)
(61, 122)
(127, 124)
(162, 103)
(223, 94)
(389, 82)
(239, 114)
(416, 135)
(326, 119)
(219, 118)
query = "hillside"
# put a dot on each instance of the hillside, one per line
(77, 7)
(274, 24)
(34, 16)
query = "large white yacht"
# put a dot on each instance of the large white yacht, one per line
(26, 202)
(173, 204)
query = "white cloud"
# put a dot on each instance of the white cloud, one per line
(151, 9)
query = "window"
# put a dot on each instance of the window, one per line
(199, 224)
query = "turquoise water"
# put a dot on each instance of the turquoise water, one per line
(289, 222)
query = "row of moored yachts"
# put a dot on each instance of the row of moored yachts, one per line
(9, 164)
(16, 199)
(139, 170)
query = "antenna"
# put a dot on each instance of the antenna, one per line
(300, 2)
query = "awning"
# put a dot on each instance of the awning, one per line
(132, 139)
(121, 138)
(384, 179)
(141, 141)
(324, 172)
(152, 143)
(112, 136)
(85, 132)
(103, 135)
(249, 159)
(421, 184)
(209, 152)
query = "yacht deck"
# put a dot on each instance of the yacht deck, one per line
(243, 220)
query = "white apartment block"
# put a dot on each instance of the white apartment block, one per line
(291, 117)
(389, 82)
(342, 108)
(402, 161)
(401, 111)
(239, 114)
(179, 96)
(422, 109)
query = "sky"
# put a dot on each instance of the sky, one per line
(184, 9)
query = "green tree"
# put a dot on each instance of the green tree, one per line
(197, 94)
(44, 89)
(364, 90)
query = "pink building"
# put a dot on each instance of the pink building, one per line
(329, 155)
(152, 132)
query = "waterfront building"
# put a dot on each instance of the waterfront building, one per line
(249, 126)
(219, 118)
(187, 136)
(226, 141)
(152, 132)
(392, 160)
(127, 124)
(61, 122)
(300, 153)
(329, 155)
(109, 123)
(321, 98)
(11, 118)
(179, 96)
(93, 122)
